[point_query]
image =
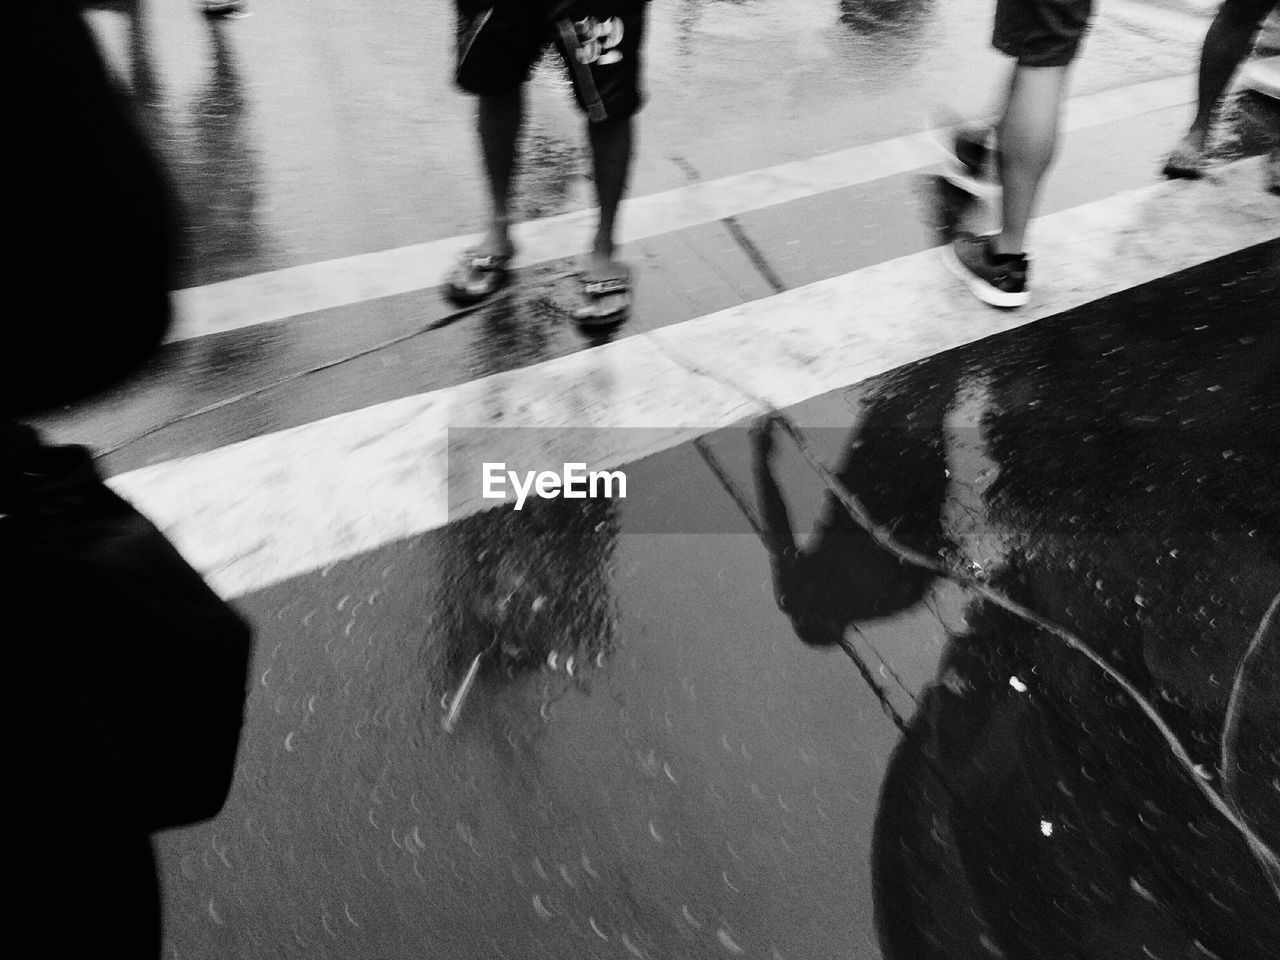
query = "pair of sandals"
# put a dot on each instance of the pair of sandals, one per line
(606, 301)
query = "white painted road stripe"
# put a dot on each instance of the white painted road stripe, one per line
(279, 505)
(293, 291)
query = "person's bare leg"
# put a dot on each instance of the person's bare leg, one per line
(612, 144)
(499, 120)
(1228, 41)
(1027, 137)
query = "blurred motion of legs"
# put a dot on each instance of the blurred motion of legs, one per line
(1227, 43)
(970, 150)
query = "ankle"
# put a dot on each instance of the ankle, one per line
(498, 238)
(1001, 246)
(1198, 134)
(602, 250)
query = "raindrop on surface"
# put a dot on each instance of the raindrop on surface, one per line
(727, 941)
(542, 911)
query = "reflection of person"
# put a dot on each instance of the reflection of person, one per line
(211, 163)
(1030, 811)
(129, 673)
(217, 166)
(1226, 44)
(842, 575)
(600, 40)
(1043, 37)
(527, 590)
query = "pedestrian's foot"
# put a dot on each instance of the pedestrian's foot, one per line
(220, 8)
(480, 272)
(970, 153)
(1188, 159)
(605, 286)
(949, 204)
(996, 279)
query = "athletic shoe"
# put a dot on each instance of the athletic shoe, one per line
(996, 279)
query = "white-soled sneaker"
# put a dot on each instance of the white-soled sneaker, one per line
(1000, 281)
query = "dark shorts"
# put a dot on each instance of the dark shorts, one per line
(500, 41)
(1041, 33)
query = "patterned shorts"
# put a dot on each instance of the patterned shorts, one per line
(500, 41)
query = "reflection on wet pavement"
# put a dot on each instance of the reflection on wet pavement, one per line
(522, 592)
(206, 144)
(650, 764)
(1031, 808)
(219, 180)
(555, 733)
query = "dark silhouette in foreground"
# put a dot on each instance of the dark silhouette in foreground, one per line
(127, 672)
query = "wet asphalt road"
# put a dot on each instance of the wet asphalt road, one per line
(650, 762)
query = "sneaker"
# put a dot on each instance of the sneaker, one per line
(972, 157)
(998, 280)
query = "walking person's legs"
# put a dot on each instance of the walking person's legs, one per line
(498, 121)
(603, 56)
(1027, 139)
(611, 151)
(1043, 37)
(1226, 44)
(498, 43)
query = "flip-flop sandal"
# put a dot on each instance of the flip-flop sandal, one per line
(591, 314)
(476, 278)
